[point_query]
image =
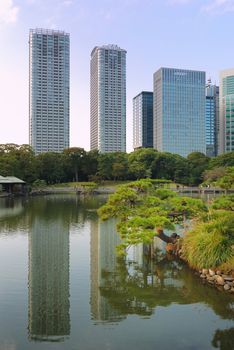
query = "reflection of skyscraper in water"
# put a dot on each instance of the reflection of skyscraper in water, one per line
(104, 240)
(49, 318)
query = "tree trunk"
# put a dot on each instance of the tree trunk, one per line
(163, 237)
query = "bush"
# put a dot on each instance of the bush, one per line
(209, 244)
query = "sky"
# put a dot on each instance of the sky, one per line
(187, 34)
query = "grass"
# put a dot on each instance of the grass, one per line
(210, 244)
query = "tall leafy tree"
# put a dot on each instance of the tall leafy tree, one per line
(198, 163)
(49, 167)
(74, 160)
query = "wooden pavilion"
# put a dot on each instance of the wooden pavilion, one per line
(11, 185)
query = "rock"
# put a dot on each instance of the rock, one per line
(229, 283)
(228, 278)
(211, 278)
(231, 290)
(226, 287)
(220, 280)
(205, 271)
(211, 272)
(218, 272)
(203, 276)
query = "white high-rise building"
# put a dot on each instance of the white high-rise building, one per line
(226, 111)
(108, 99)
(49, 90)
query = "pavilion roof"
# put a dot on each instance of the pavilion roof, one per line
(10, 180)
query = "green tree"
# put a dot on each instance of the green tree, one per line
(74, 160)
(198, 163)
(19, 161)
(223, 160)
(144, 212)
(140, 163)
(105, 165)
(90, 164)
(50, 167)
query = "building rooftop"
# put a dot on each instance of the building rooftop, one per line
(10, 180)
(47, 31)
(108, 47)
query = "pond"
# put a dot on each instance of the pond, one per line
(62, 286)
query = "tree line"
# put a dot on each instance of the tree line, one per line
(76, 164)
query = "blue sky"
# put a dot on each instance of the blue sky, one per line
(191, 34)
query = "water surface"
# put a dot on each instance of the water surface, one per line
(62, 286)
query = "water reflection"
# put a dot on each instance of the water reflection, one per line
(142, 281)
(224, 339)
(103, 263)
(147, 283)
(48, 316)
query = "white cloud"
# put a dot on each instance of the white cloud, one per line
(8, 12)
(219, 6)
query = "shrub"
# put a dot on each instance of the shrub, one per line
(210, 244)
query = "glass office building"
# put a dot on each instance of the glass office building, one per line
(49, 110)
(179, 111)
(226, 111)
(108, 99)
(212, 116)
(143, 120)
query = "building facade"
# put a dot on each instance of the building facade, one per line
(49, 90)
(226, 114)
(108, 99)
(143, 120)
(179, 111)
(212, 119)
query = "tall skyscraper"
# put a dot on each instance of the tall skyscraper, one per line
(108, 99)
(226, 106)
(49, 85)
(143, 120)
(212, 119)
(179, 111)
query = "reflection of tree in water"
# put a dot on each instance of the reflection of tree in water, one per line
(71, 208)
(139, 288)
(224, 339)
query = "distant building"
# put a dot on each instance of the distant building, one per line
(212, 119)
(226, 105)
(179, 111)
(143, 120)
(49, 110)
(108, 99)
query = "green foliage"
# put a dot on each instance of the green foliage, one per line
(224, 203)
(209, 244)
(76, 164)
(223, 160)
(227, 181)
(141, 209)
(39, 184)
(49, 167)
(142, 229)
(120, 204)
(163, 193)
(74, 160)
(198, 163)
(210, 176)
(185, 206)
